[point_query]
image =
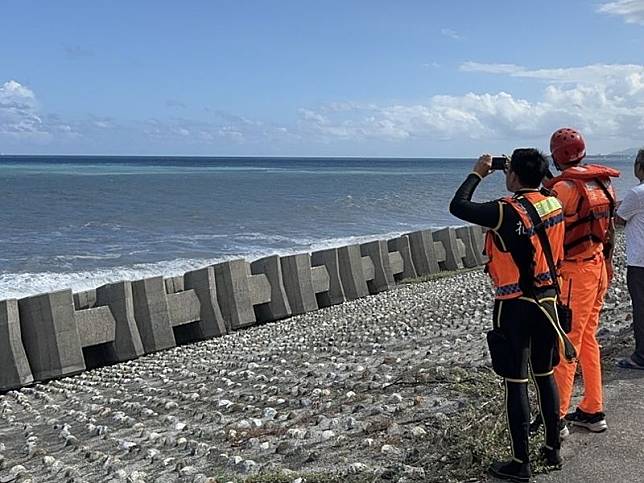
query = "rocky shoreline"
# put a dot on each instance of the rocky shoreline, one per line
(395, 386)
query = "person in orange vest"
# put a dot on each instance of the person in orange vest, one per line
(588, 201)
(526, 331)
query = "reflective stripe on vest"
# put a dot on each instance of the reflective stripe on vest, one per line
(514, 288)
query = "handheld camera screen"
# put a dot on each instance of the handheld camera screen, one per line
(499, 163)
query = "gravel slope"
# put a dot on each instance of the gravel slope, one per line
(394, 386)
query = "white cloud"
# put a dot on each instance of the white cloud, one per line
(23, 125)
(511, 69)
(19, 115)
(602, 100)
(473, 116)
(605, 101)
(223, 128)
(452, 34)
(588, 73)
(631, 10)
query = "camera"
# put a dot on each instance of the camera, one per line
(500, 163)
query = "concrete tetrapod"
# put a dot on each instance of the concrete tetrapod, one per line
(454, 248)
(50, 335)
(473, 253)
(60, 341)
(352, 272)
(327, 283)
(174, 284)
(298, 282)
(366, 269)
(402, 247)
(202, 283)
(117, 297)
(278, 306)
(310, 287)
(478, 237)
(189, 314)
(14, 366)
(240, 292)
(85, 300)
(423, 252)
(152, 315)
(383, 275)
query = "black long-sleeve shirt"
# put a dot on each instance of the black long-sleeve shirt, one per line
(498, 216)
(488, 214)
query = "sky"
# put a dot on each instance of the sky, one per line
(326, 78)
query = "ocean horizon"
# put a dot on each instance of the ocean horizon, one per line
(81, 221)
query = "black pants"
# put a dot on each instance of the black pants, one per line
(528, 326)
(635, 281)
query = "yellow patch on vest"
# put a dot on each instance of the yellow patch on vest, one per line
(547, 206)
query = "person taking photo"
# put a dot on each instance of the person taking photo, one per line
(526, 332)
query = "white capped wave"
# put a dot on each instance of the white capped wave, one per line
(18, 285)
(107, 256)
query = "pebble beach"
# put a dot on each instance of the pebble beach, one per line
(395, 386)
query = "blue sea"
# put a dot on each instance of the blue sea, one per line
(80, 222)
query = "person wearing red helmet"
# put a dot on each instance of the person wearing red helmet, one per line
(588, 201)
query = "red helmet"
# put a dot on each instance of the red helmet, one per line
(567, 146)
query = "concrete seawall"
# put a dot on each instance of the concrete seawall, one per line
(59, 334)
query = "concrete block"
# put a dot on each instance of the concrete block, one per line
(14, 366)
(423, 253)
(174, 284)
(396, 263)
(464, 234)
(183, 308)
(439, 252)
(96, 326)
(325, 275)
(378, 253)
(127, 343)
(298, 282)
(352, 272)
(478, 238)
(320, 280)
(50, 335)
(368, 269)
(454, 252)
(234, 293)
(260, 289)
(211, 322)
(85, 300)
(402, 246)
(278, 306)
(152, 315)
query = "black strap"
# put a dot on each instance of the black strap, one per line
(540, 230)
(569, 349)
(611, 200)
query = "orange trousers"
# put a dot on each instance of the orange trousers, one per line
(587, 283)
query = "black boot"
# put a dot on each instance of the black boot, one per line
(551, 458)
(511, 471)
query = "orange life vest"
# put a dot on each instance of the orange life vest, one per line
(592, 219)
(502, 267)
